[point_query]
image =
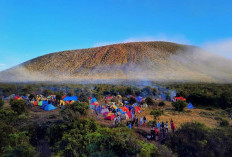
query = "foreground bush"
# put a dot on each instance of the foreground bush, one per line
(1, 103)
(19, 106)
(179, 105)
(156, 113)
(149, 101)
(73, 111)
(87, 138)
(195, 139)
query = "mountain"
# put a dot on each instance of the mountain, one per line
(155, 61)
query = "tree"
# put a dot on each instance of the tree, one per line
(162, 104)
(147, 91)
(59, 95)
(19, 145)
(1, 102)
(73, 111)
(149, 101)
(47, 92)
(156, 113)
(132, 100)
(155, 91)
(195, 139)
(18, 106)
(179, 105)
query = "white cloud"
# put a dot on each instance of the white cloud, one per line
(160, 37)
(1, 64)
(220, 47)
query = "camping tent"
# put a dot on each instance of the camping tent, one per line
(40, 103)
(35, 103)
(104, 110)
(62, 103)
(137, 109)
(179, 98)
(110, 116)
(93, 100)
(49, 107)
(129, 114)
(190, 106)
(122, 116)
(105, 114)
(70, 98)
(139, 98)
(125, 109)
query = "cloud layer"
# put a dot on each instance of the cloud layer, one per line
(221, 47)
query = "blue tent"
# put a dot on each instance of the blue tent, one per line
(70, 98)
(44, 104)
(93, 100)
(135, 104)
(190, 106)
(49, 107)
(139, 98)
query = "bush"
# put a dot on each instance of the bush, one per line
(195, 139)
(1, 103)
(73, 111)
(47, 92)
(149, 101)
(156, 113)
(224, 122)
(132, 100)
(162, 104)
(19, 145)
(18, 106)
(179, 105)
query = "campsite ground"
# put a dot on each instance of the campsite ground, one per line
(208, 117)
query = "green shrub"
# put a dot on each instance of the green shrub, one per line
(162, 104)
(1, 103)
(179, 105)
(149, 101)
(19, 145)
(19, 106)
(7, 115)
(224, 122)
(73, 111)
(156, 113)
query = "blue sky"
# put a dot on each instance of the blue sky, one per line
(31, 28)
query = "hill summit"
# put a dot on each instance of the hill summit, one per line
(155, 61)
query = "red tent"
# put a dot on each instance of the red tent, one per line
(125, 109)
(179, 98)
(137, 109)
(16, 97)
(35, 103)
(129, 114)
(110, 117)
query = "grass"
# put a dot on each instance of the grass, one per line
(200, 115)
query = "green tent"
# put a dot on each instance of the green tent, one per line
(40, 103)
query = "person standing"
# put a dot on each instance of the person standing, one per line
(156, 134)
(152, 133)
(158, 124)
(136, 121)
(144, 121)
(166, 126)
(141, 121)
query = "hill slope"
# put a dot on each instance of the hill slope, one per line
(158, 61)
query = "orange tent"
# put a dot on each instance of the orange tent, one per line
(125, 109)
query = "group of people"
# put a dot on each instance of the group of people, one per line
(135, 122)
(161, 128)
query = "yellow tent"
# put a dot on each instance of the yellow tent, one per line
(62, 103)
